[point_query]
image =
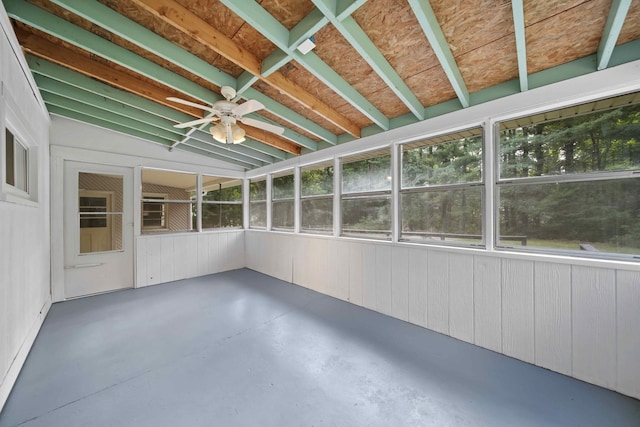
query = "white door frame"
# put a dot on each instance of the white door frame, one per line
(91, 273)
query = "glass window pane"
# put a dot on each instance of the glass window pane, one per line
(316, 181)
(258, 189)
(602, 141)
(258, 214)
(451, 162)
(100, 212)
(316, 215)
(176, 189)
(593, 215)
(221, 216)
(9, 159)
(282, 214)
(221, 189)
(282, 187)
(368, 174)
(447, 215)
(367, 216)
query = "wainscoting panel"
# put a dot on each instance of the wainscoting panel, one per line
(169, 257)
(573, 318)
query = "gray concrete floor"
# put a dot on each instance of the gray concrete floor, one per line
(244, 349)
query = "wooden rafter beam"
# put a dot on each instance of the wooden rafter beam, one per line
(184, 20)
(57, 54)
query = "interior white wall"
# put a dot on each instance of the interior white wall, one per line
(158, 258)
(24, 228)
(575, 316)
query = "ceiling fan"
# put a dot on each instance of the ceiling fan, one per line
(228, 112)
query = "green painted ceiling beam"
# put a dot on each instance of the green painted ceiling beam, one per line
(56, 87)
(205, 136)
(345, 8)
(274, 62)
(105, 115)
(617, 15)
(46, 22)
(429, 23)
(44, 68)
(256, 16)
(356, 36)
(310, 24)
(521, 44)
(112, 21)
(62, 81)
(58, 27)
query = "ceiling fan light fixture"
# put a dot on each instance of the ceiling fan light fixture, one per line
(219, 133)
(238, 134)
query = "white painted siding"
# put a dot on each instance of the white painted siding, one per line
(164, 258)
(25, 293)
(563, 315)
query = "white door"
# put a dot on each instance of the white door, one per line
(98, 228)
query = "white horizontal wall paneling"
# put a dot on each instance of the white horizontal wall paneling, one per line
(461, 296)
(355, 273)
(552, 302)
(215, 249)
(517, 309)
(203, 255)
(333, 262)
(180, 257)
(167, 258)
(594, 325)
(369, 275)
(418, 286)
(383, 280)
(141, 262)
(438, 291)
(628, 324)
(302, 261)
(400, 283)
(487, 304)
(343, 268)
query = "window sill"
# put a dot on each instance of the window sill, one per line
(18, 200)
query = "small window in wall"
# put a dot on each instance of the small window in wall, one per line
(167, 203)
(316, 198)
(258, 202)
(221, 202)
(570, 180)
(366, 195)
(282, 201)
(154, 211)
(441, 193)
(19, 183)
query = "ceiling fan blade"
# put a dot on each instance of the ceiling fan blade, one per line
(191, 104)
(262, 125)
(195, 122)
(248, 107)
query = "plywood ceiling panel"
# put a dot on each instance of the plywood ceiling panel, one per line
(631, 29)
(288, 12)
(566, 36)
(489, 65)
(333, 49)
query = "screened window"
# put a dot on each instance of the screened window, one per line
(221, 202)
(366, 195)
(569, 179)
(167, 203)
(282, 201)
(316, 198)
(441, 192)
(258, 202)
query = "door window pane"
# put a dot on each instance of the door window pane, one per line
(100, 212)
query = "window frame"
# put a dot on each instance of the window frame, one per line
(153, 198)
(561, 178)
(220, 203)
(253, 202)
(19, 131)
(291, 200)
(326, 196)
(435, 140)
(383, 235)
